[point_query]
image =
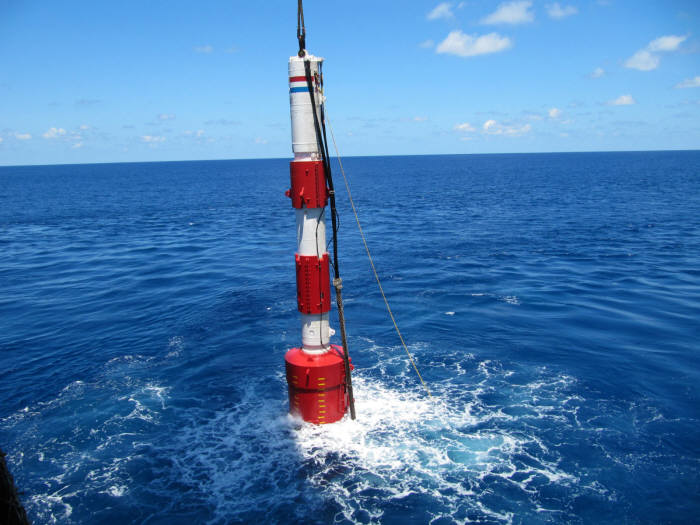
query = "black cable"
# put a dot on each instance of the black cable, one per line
(322, 144)
(323, 147)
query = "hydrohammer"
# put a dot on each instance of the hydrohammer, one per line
(316, 372)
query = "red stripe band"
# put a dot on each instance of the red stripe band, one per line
(297, 79)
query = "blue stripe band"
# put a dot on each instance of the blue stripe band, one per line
(299, 89)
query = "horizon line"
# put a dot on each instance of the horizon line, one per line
(346, 157)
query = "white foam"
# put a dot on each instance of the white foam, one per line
(403, 444)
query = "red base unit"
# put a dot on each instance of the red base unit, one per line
(317, 388)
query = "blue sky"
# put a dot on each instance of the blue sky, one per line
(145, 81)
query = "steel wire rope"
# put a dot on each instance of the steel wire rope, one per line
(371, 261)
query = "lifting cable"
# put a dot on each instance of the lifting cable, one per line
(322, 144)
(301, 30)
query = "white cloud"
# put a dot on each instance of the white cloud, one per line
(689, 83)
(666, 43)
(1, 139)
(463, 45)
(84, 127)
(443, 10)
(152, 139)
(554, 113)
(643, 60)
(427, 44)
(622, 100)
(22, 136)
(259, 140)
(166, 116)
(54, 133)
(204, 49)
(597, 72)
(492, 127)
(200, 132)
(511, 13)
(647, 59)
(464, 126)
(77, 145)
(420, 119)
(556, 11)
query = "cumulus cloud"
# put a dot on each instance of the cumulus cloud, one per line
(622, 100)
(463, 45)
(492, 127)
(152, 139)
(554, 113)
(643, 60)
(166, 116)
(647, 58)
(54, 133)
(203, 49)
(689, 83)
(597, 72)
(22, 136)
(517, 12)
(666, 43)
(556, 11)
(465, 126)
(443, 10)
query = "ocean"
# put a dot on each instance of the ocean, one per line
(551, 301)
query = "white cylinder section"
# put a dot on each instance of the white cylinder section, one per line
(315, 332)
(311, 231)
(311, 222)
(303, 130)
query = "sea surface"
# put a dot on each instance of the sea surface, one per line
(551, 301)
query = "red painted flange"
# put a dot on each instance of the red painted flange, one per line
(317, 390)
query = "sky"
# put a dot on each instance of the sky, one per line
(86, 81)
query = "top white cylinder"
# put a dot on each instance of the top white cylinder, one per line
(303, 130)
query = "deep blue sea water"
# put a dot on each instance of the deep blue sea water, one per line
(552, 303)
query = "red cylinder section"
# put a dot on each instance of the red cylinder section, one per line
(313, 284)
(308, 184)
(317, 388)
